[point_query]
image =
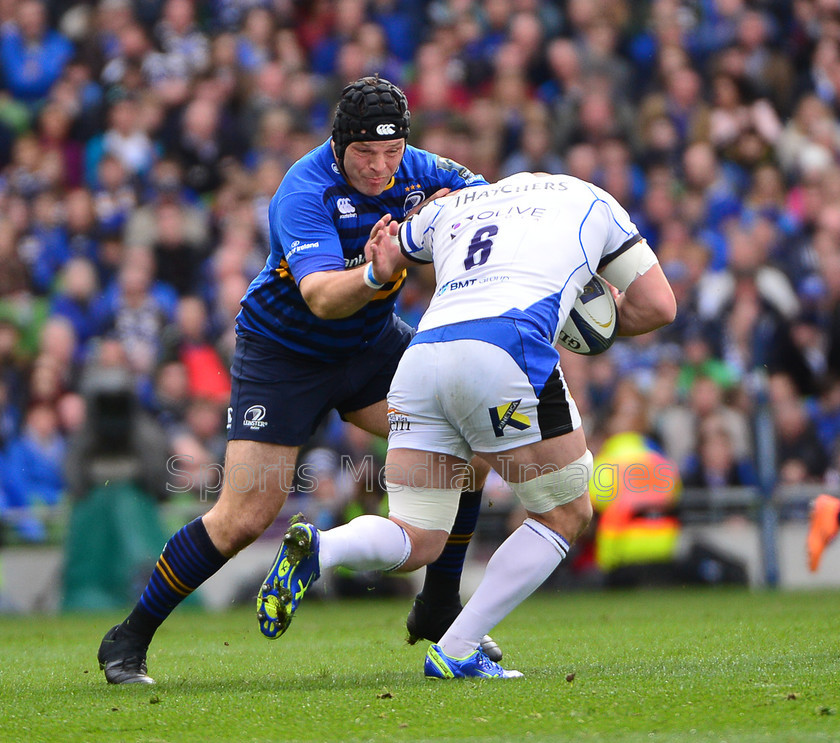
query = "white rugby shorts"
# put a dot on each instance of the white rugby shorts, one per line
(461, 395)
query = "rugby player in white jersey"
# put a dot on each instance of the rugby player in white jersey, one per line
(482, 377)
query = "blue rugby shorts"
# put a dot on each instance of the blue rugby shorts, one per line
(279, 396)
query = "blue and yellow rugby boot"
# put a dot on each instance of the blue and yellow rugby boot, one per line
(295, 569)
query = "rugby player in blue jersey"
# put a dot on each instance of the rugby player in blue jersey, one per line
(317, 332)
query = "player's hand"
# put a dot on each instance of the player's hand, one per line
(383, 222)
(615, 292)
(617, 296)
(382, 249)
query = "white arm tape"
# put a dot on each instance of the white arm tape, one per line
(370, 279)
(632, 263)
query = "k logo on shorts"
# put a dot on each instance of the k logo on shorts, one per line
(506, 415)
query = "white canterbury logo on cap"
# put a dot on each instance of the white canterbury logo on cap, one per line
(383, 130)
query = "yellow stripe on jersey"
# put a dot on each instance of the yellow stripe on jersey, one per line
(393, 285)
(283, 270)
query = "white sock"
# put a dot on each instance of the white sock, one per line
(365, 543)
(520, 566)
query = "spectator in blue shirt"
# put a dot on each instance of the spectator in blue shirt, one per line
(74, 300)
(32, 56)
(33, 472)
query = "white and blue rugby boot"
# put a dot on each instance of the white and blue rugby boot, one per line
(439, 665)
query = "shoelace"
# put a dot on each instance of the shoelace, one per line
(485, 664)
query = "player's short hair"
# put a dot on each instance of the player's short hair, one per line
(370, 109)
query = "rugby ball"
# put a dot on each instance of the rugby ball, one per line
(592, 324)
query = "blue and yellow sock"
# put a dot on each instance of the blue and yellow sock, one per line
(443, 576)
(188, 559)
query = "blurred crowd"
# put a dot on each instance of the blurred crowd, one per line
(140, 143)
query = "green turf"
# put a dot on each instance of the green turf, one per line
(645, 666)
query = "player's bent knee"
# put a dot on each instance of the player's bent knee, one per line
(557, 488)
(236, 534)
(582, 510)
(427, 515)
(233, 525)
(251, 530)
(569, 520)
(426, 547)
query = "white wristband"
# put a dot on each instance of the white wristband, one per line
(370, 279)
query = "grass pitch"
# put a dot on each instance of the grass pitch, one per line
(681, 665)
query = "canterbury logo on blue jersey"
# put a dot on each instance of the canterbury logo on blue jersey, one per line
(346, 207)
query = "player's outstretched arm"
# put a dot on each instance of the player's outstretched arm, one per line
(332, 295)
(647, 303)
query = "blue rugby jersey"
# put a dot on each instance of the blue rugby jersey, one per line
(319, 222)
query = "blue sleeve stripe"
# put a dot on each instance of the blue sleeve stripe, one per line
(580, 233)
(431, 226)
(586, 216)
(412, 246)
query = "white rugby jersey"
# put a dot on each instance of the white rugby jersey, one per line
(523, 247)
